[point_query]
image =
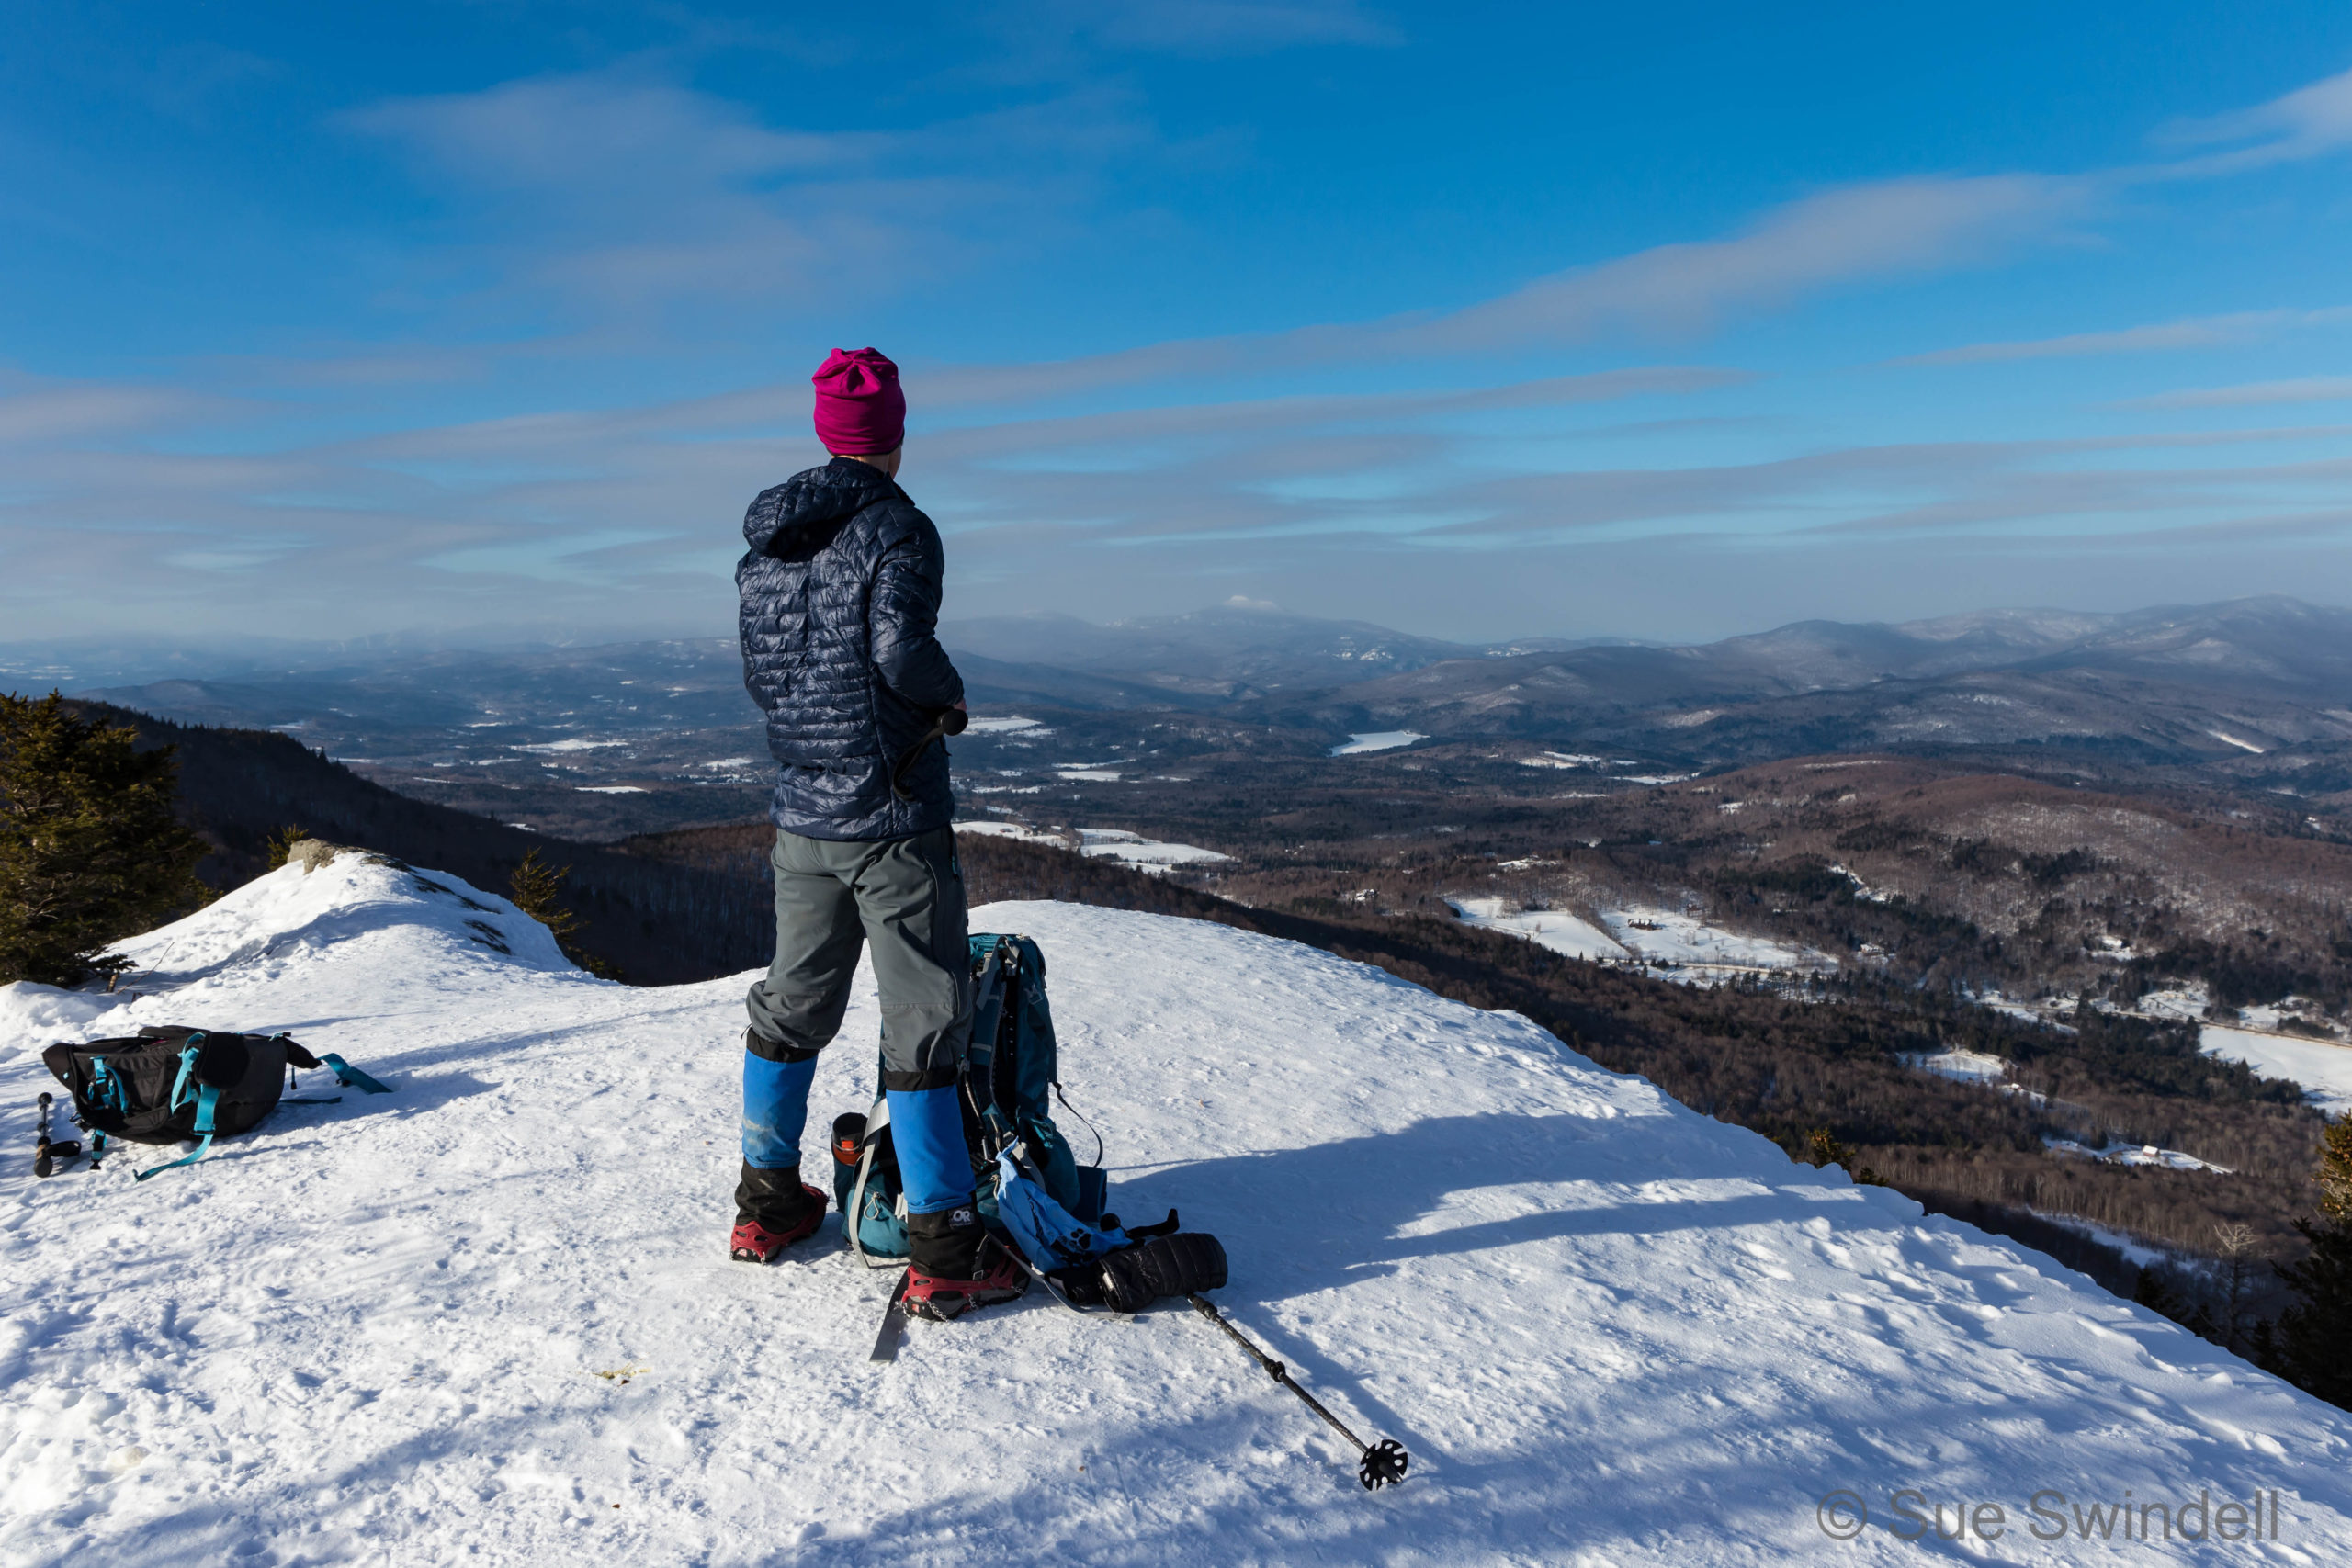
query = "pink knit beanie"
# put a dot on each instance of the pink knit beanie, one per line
(860, 409)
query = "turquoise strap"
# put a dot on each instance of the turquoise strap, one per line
(350, 1077)
(105, 1086)
(207, 1098)
(187, 1066)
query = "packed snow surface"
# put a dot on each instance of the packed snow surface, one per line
(1006, 725)
(489, 1318)
(2319, 1067)
(1377, 741)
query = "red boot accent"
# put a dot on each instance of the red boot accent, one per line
(754, 1243)
(1003, 1279)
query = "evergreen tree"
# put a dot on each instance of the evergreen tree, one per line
(281, 843)
(1823, 1147)
(90, 852)
(537, 889)
(2312, 1345)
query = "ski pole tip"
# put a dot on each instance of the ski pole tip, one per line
(1384, 1464)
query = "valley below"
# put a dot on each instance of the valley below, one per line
(2044, 919)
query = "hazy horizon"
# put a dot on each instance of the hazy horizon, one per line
(131, 658)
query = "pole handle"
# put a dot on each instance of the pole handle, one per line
(950, 721)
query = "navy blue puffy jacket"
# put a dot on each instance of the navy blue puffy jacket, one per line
(840, 598)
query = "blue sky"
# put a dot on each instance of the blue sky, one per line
(1671, 322)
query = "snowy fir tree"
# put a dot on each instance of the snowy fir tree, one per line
(537, 889)
(90, 849)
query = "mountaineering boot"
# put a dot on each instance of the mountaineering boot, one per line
(953, 1266)
(773, 1209)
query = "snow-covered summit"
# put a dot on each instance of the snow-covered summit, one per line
(334, 917)
(490, 1317)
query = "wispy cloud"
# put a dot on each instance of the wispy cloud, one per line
(621, 192)
(1266, 418)
(1853, 235)
(1229, 27)
(560, 511)
(1857, 234)
(39, 412)
(2305, 123)
(2191, 332)
(2253, 394)
(620, 195)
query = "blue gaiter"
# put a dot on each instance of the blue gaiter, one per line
(927, 1131)
(775, 1111)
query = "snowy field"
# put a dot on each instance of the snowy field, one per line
(1675, 937)
(489, 1318)
(2134, 1153)
(2323, 1069)
(1138, 854)
(1376, 741)
(1962, 1067)
(1131, 850)
(1665, 936)
(1555, 928)
(1054, 837)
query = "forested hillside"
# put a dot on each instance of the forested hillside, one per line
(659, 923)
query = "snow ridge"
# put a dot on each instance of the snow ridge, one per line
(490, 1318)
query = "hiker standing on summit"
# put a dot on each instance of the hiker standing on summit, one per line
(841, 592)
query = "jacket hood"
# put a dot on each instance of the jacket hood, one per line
(817, 500)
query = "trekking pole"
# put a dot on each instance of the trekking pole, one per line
(1383, 1462)
(47, 1154)
(951, 721)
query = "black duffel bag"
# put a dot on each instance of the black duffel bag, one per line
(169, 1083)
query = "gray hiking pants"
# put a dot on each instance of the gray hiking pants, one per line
(904, 896)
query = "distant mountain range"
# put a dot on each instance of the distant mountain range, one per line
(1216, 655)
(631, 737)
(2181, 683)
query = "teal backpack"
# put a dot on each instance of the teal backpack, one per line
(1012, 1075)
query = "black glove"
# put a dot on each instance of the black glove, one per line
(1134, 1277)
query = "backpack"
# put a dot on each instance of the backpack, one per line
(169, 1083)
(1010, 1074)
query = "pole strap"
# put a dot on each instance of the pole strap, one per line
(206, 1099)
